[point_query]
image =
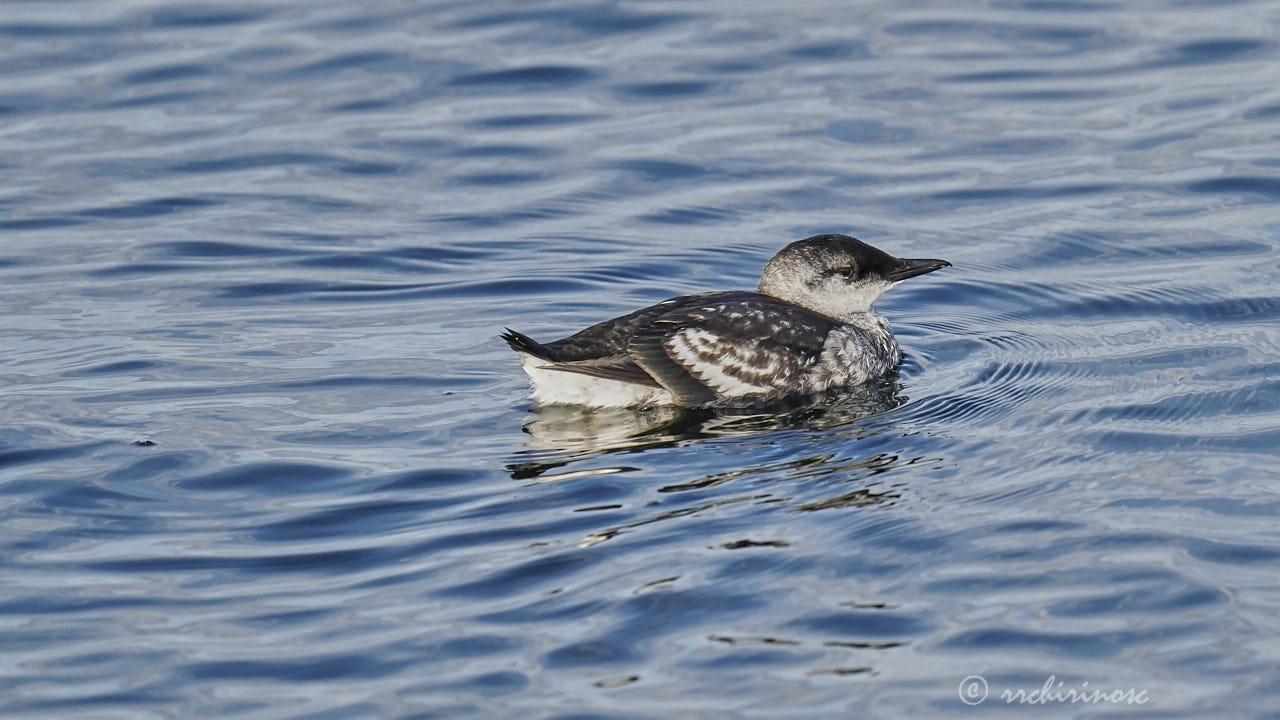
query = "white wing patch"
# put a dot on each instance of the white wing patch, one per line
(730, 369)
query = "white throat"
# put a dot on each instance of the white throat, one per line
(831, 296)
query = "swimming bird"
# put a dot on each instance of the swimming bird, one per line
(808, 327)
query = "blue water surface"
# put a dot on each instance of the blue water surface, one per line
(263, 455)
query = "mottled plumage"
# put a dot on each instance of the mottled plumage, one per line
(808, 327)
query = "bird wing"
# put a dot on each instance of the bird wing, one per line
(609, 338)
(729, 347)
(615, 367)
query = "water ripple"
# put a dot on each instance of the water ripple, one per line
(264, 455)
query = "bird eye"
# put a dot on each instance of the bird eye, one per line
(849, 272)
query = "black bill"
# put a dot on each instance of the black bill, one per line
(908, 268)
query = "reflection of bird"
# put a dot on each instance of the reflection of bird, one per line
(562, 434)
(808, 327)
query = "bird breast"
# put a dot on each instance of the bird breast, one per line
(856, 352)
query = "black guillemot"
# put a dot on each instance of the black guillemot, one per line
(808, 327)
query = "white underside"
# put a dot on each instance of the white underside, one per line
(557, 387)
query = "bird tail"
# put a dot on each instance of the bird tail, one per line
(524, 344)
